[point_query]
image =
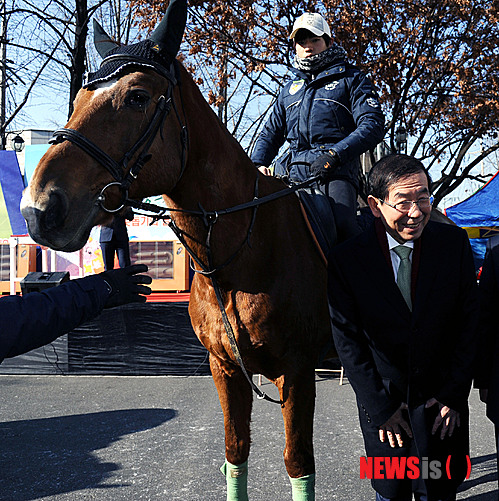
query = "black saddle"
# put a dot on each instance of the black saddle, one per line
(320, 214)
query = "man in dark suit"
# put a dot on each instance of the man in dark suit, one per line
(114, 239)
(487, 374)
(404, 322)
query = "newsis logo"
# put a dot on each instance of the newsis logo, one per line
(412, 467)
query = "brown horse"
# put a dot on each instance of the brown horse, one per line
(271, 276)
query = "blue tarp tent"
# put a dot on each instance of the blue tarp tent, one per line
(479, 216)
(12, 185)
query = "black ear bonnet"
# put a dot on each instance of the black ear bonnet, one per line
(157, 52)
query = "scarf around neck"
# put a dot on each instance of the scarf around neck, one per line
(315, 64)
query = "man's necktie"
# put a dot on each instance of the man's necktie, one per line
(404, 273)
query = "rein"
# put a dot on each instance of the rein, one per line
(209, 218)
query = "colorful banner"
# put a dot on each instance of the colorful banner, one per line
(11, 187)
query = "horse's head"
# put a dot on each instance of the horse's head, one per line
(118, 128)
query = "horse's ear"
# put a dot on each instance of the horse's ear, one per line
(102, 41)
(168, 34)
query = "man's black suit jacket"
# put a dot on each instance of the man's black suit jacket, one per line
(487, 375)
(392, 355)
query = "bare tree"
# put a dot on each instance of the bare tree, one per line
(48, 50)
(434, 61)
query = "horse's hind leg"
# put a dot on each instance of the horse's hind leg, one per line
(297, 392)
(235, 397)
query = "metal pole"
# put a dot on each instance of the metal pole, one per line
(13, 265)
(3, 73)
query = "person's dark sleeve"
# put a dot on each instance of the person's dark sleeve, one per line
(369, 120)
(353, 350)
(272, 136)
(456, 387)
(488, 326)
(30, 321)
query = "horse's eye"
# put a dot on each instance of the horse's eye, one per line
(138, 98)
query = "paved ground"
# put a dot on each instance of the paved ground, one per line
(161, 438)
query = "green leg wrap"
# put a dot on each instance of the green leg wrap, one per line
(303, 488)
(237, 481)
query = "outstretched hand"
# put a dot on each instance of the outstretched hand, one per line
(325, 166)
(126, 285)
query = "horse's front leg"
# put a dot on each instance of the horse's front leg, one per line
(297, 390)
(236, 400)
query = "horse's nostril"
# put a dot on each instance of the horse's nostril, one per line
(31, 215)
(56, 211)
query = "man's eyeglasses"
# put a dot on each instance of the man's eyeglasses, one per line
(406, 205)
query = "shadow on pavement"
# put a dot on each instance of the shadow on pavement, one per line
(485, 470)
(44, 457)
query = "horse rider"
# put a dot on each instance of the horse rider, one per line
(329, 113)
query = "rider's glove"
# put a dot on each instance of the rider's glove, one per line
(264, 170)
(125, 285)
(325, 165)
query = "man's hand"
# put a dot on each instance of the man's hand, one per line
(325, 165)
(125, 285)
(447, 417)
(392, 429)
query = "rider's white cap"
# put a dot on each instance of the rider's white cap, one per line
(312, 22)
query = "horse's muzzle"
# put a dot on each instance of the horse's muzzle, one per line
(45, 220)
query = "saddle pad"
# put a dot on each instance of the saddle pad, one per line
(320, 217)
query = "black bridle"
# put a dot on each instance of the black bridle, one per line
(123, 180)
(124, 176)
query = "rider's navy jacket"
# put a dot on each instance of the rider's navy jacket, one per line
(38, 318)
(337, 110)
